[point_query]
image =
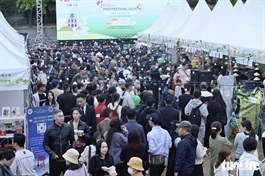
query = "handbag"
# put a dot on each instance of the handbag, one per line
(159, 160)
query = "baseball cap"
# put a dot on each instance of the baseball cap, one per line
(122, 81)
(154, 117)
(185, 125)
(55, 82)
(203, 85)
(168, 99)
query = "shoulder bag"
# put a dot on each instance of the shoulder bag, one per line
(159, 160)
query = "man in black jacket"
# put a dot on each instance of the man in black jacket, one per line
(150, 102)
(66, 102)
(168, 113)
(58, 138)
(88, 113)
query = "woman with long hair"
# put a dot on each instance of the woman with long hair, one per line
(116, 138)
(134, 148)
(216, 143)
(90, 150)
(200, 152)
(114, 105)
(102, 162)
(50, 100)
(223, 156)
(81, 129)
(6, 159)
(124, 110)
(74, 167)
(246, 131)
(215, 106)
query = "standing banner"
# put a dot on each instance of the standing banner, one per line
(39, 118)
(226, 89)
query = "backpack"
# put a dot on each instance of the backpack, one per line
(114, 112)
(195, 116)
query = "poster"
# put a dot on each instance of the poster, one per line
(106, 19)
(14, 79)
(39, 119)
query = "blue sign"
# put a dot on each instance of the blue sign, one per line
(39, 118)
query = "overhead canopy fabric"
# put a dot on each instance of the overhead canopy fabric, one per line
(14, 63)
(199, 16)
(183, 12)
(159, 23)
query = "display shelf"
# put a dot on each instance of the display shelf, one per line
(13, 118)
(7, 136)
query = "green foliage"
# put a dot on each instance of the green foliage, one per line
(25, 5)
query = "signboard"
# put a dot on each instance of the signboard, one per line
(106, 19)
(14, 79)
(39, 118)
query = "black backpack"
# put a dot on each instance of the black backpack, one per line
(195, 116)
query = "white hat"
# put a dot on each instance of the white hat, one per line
(235, 74)
(71, 155)
(235, 70)
(256, 74)
(121, 81)
(257, 68)
(256, 79)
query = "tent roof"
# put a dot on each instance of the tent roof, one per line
(238, 6)
(200, 14)
(214, 28)
(183, 12)
(12, 48)
(249, 29)
(160, 22)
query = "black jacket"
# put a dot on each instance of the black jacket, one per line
(57, 140)
(143, 120)
(186, 155)
(168, 114)
(66, 102)
(82, 126)
(90, 118)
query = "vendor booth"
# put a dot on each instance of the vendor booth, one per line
(14, 81)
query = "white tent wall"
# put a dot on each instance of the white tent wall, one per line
(161, 21)
(14, 63)
(183, 12)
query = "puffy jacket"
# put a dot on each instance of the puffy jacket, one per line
(57, 140)
(186, 155)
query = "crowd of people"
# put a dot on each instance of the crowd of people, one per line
(100, 129)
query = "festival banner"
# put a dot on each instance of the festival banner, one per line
(105, 19)
(39, 119)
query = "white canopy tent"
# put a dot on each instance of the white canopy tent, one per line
(200, 14)
(160, 22)
(215, 28)
(249, 29)
(183, 12)
(238, 6)
(14, 63)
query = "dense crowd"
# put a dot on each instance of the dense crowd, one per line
(127, 112)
